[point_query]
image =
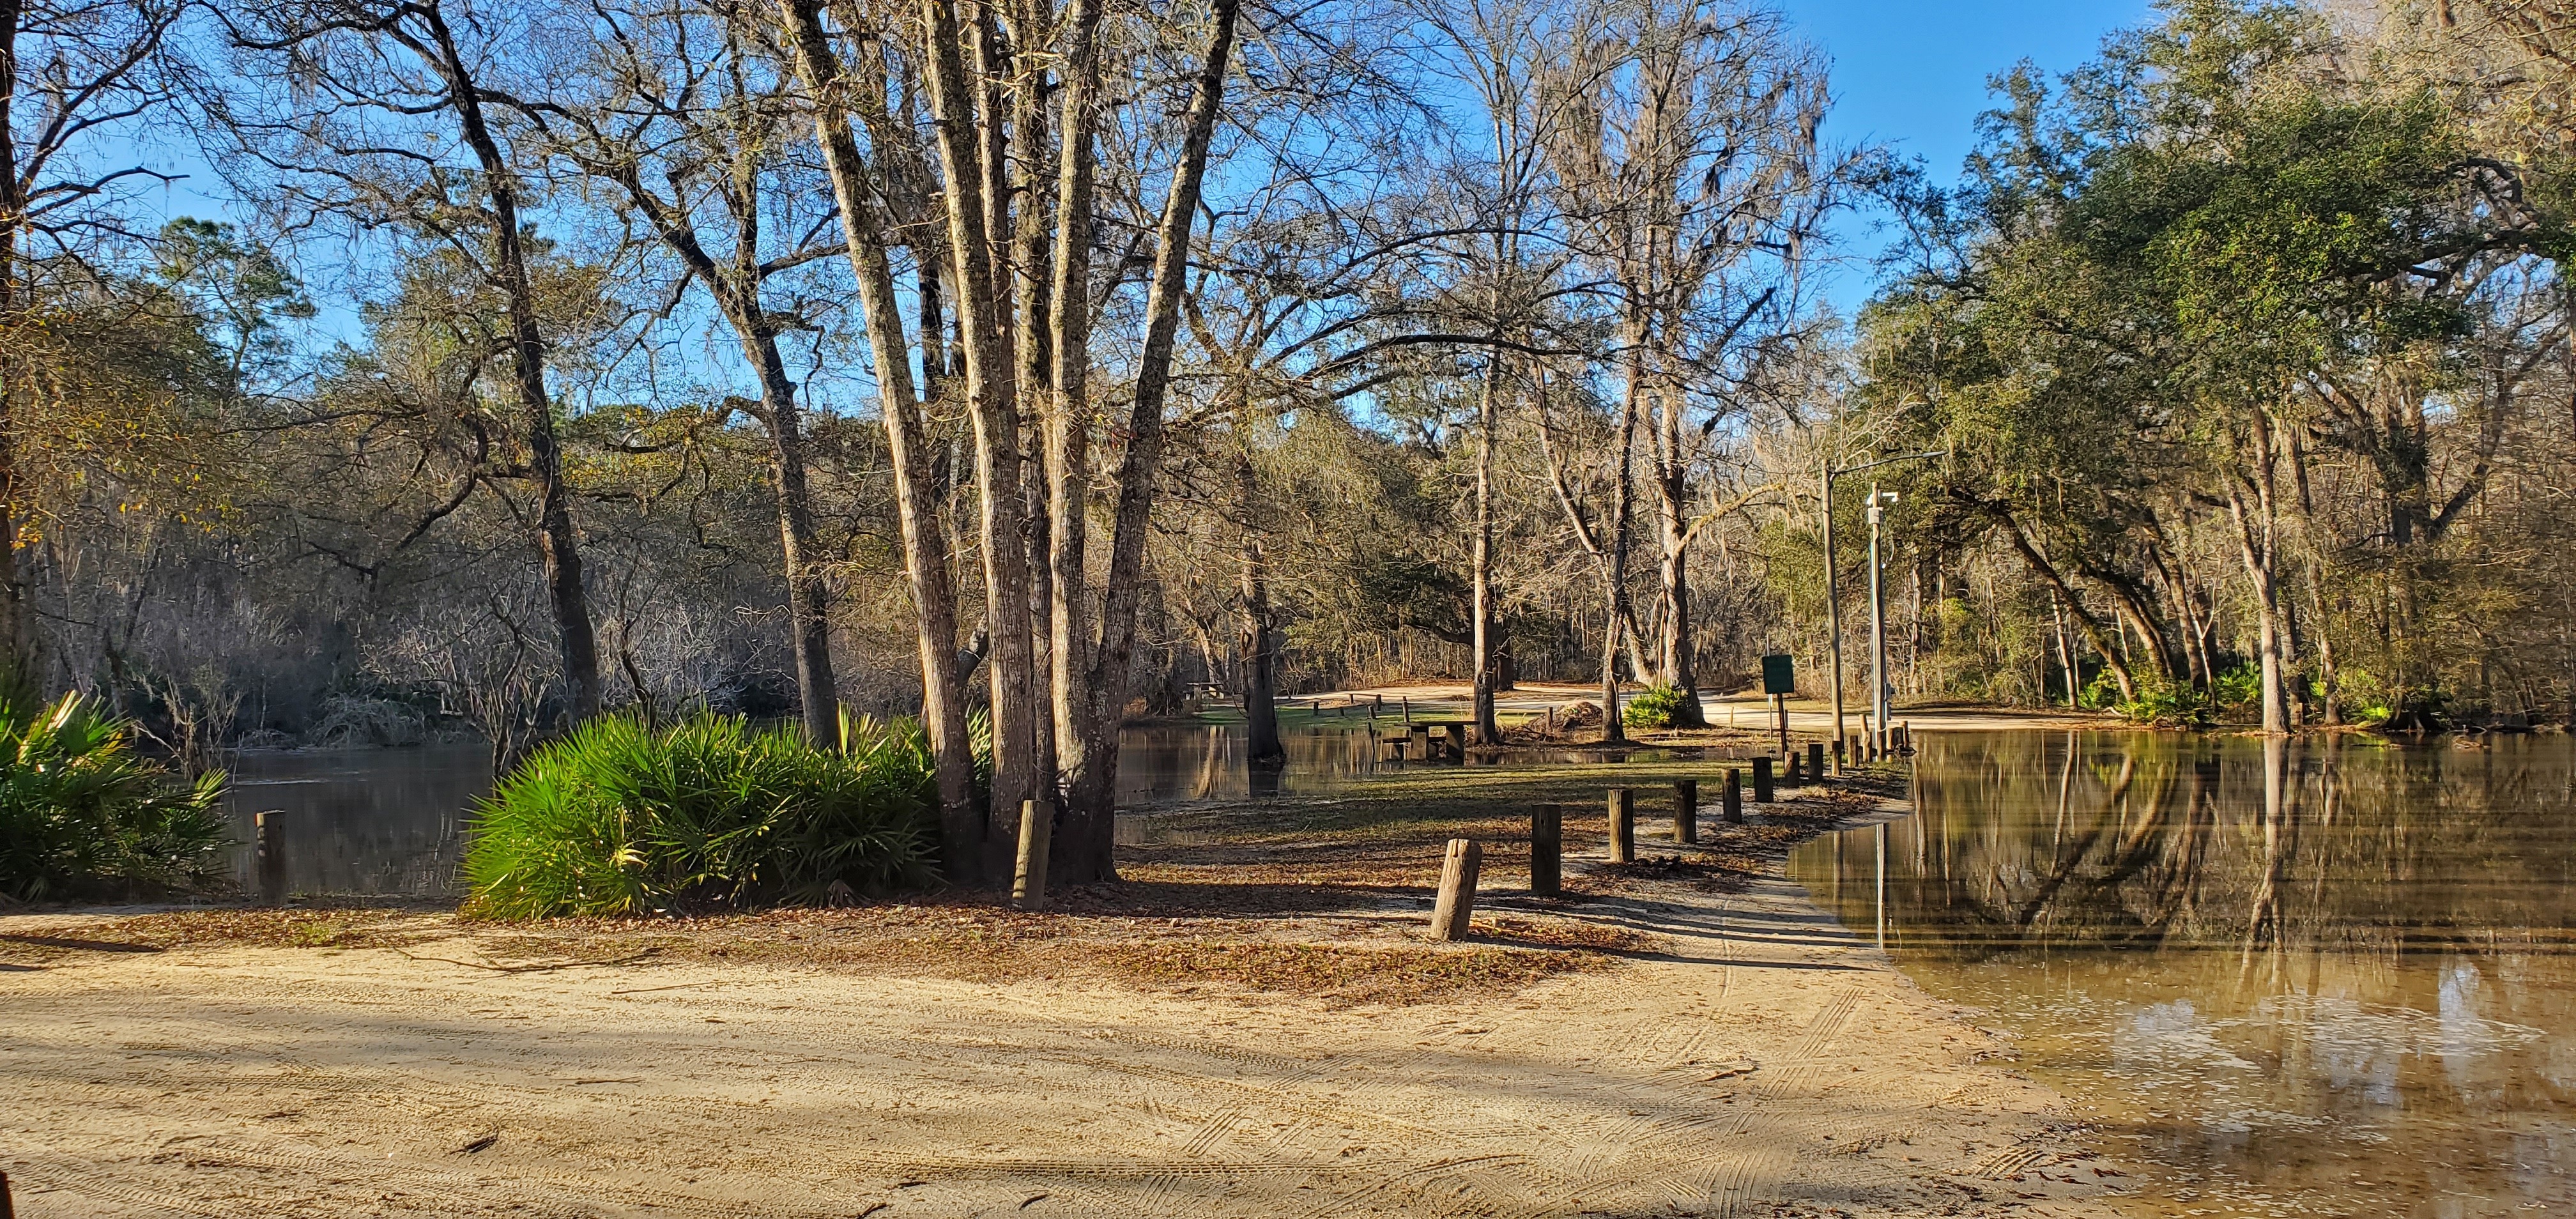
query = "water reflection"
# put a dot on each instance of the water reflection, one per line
(2308, 977)
(380, 821)
(391, 821)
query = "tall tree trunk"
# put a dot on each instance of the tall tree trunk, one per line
(15, 625)
(1676, 658)
(1077, 725)
(1614, 545)
(2254, 538)
(808, 594)
(1033, 357)
(925, 546)
(1486, 660)
(1091, 800)
(558, 546)
(1260, 659)
(992, 408)
(2251, 507)
(737, 292)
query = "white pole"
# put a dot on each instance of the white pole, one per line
(1833, 598)
(1877, 630)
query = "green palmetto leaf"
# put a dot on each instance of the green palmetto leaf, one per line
(622, 818)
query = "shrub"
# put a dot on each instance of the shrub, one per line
(82, 814)
(623, 818)
(1654, 707)
(2238, 688)
(2165, 703)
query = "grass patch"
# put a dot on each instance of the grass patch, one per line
(82, 815)
(709, 812)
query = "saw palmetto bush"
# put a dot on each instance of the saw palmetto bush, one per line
(623, 817)
(82, 814)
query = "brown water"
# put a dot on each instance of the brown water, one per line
(2285, 978)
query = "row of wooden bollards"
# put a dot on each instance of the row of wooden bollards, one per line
(1457, 897)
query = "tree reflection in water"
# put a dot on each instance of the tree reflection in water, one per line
(2305, 974)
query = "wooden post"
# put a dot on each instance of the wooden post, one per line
(1762, 780)
(1547, 851)
(1408, 707)
(8, 1209)
(1781, 703)
(1028, 880)
(1815, 761)
(1686, 811)
(1839, 761)
(1792, 777)
(1623, 825)
(1734, 796)
(1458, 742)
(1449, 916)
(271, 859)
(1551, 719)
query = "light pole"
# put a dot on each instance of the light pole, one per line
(1833, 585)
(1878, 501)
(1834, 607)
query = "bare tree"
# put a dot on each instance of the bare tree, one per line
(689, 125)
(359, 79)
(1706, 186)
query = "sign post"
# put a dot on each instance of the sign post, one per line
(1780, 680)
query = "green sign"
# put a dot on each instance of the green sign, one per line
(1778, 677)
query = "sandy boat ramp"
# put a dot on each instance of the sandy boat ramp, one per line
(1755, 1060)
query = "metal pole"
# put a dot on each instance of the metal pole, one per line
(1833, 600)
(1877, 632)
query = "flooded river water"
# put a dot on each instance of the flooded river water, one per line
(392, 821)
(2303, 978)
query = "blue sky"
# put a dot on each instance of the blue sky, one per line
(1913, 75)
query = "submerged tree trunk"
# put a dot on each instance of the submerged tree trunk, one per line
(925, 546)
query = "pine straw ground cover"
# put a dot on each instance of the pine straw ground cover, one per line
(1319, 897)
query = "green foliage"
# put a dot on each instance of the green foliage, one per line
(1657, 707)
(2237, 688)
(2360, 697)
(2164, 703)
(82, 814)
(624, 818)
